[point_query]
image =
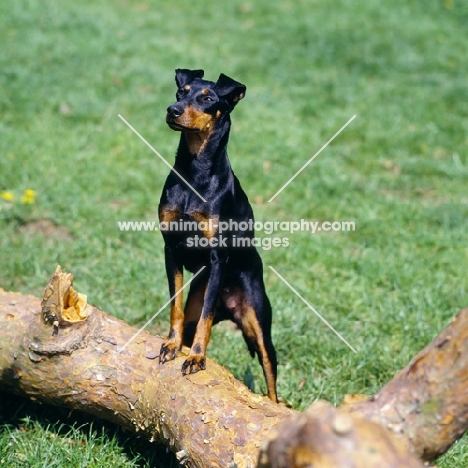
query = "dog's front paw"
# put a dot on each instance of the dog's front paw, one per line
(193, 364)
(168, 351)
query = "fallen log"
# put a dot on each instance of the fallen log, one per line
(67, 352)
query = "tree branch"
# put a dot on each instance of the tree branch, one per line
(426, 403)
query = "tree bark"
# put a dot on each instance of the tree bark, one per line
(66, 352)
(426, 403)
(326, 437)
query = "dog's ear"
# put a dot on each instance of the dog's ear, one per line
(229, 89)
(184, 77)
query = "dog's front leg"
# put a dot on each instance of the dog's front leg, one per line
(196, 360)
(175, 277)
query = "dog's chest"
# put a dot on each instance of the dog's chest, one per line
(173, 220)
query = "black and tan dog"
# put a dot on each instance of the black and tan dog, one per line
(231, 284)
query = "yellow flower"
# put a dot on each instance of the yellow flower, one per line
(7, 196)
(29, 197)
(449, 4)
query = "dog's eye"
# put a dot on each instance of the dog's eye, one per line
(208, 99)
(182, 92)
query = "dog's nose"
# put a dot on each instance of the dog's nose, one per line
(174, 111)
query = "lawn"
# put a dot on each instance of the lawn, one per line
(70, 169)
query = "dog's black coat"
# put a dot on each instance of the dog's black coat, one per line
(231, 285)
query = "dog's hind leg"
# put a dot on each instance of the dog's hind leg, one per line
(251, 311)
(193, 310)
(256, 329)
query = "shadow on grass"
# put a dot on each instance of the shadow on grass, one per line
(16, 413)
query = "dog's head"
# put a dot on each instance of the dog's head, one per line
(200, 102)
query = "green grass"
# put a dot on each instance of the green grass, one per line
(400, 171)
(33, 436)
(58, 446)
